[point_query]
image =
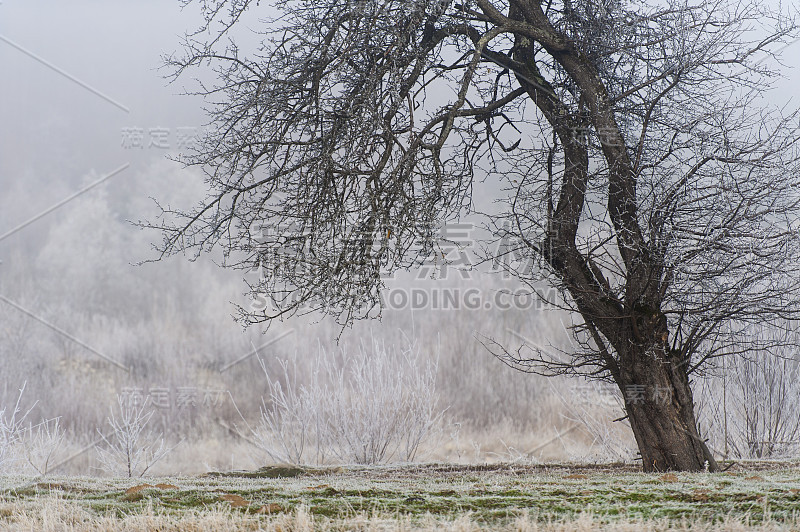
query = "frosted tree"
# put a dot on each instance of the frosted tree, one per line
(648, 178)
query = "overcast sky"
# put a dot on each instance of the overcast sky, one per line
(81, 91)
(76, 74)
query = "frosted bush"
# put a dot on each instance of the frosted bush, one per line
(751, 409)
(41, 443)
(376, 406)
(130, 449)
(11, 431)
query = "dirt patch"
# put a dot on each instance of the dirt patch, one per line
(137, 489)
(237, 501)
(280, 471)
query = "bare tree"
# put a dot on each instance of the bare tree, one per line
(648, 178)
(130, 450)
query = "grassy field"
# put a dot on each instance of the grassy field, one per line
(756, 496)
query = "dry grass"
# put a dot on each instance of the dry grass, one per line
(52, 514)
(763, 496)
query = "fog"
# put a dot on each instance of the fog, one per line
(87, 125)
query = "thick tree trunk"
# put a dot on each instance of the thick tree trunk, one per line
(660, 408)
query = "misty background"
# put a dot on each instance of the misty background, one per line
(85, 106)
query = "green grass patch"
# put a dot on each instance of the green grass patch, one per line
(493, 496)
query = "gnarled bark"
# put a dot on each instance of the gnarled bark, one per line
(660, 408)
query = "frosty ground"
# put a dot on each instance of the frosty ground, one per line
(749, 496)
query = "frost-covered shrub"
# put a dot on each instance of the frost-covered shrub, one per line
(27, 448)
(11, 429)
(376, 406)
(41, 443)
(12, 434)
(130, 449)
(752, 407)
